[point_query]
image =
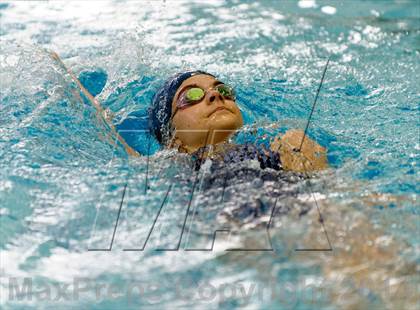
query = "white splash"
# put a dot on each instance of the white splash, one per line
(307, 4)
(330, 10)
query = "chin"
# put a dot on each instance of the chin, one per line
(222, 129)
(224, 124)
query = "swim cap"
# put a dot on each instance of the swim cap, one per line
(160, 110)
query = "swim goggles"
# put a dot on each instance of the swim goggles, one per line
(195, 94)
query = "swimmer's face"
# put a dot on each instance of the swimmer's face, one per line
(214, 117)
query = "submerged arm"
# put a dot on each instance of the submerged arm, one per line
(100, 110)
(310, 157)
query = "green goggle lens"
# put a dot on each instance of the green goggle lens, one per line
(225, 91)
(195, 94)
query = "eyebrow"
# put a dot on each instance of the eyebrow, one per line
(216, 82)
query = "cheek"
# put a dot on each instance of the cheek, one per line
(236, 109)
(187, 119)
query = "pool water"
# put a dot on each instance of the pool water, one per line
(64, 183)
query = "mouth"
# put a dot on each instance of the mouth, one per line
(219, 109)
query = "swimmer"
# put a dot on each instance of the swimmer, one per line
(369, 266)
(194, 110)
(196, 113)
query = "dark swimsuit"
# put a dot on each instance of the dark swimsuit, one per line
(242, 152)
(233, 167)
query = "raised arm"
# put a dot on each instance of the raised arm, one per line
(100, 110)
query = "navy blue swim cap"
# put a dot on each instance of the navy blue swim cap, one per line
(160, 110)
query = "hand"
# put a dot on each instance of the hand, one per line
(311, 157)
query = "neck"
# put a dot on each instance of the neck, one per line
(217, 148)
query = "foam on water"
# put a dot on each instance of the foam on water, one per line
(62, 178)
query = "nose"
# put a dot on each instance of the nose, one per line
(213, 96)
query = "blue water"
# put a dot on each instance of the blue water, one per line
(62, 179)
